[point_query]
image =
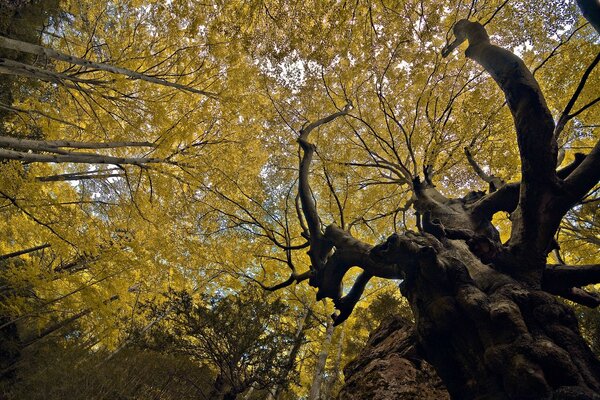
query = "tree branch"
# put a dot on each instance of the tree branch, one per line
(567, 276)
(532, 230)
(52, 145)
(591, 11)
(50, 53)
(494, 182)
(294, 278)
(566, 115)
(76, 158)
(507, 197)
(25, 251)
(582, 179)
(318, 249)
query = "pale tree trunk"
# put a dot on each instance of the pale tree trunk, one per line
(315, 387)
(76, 158)
(335, 368)
(61, 151)
(249, 393)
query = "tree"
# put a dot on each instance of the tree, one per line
(214, 200)
(486, 312)
(242, 336)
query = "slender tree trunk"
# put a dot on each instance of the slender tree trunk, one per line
(250, 392)
(335, 368)
(315, 387)
(274, 394)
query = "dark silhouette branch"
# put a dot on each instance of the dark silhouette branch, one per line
(494, 182)
(581, 180)
(566, 276)
(318, 249)
(591, 11)
(541, 204)
(294, 278)
(566, 115)
(24, 251)
(507, 197)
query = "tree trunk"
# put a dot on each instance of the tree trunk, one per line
(315, 387)
(389, 367)
(298, 340)
(335, 368)
(507, 341)
(222, 389)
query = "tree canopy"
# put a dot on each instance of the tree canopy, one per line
(214, 149)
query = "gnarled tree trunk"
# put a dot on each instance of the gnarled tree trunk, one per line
(487, 316)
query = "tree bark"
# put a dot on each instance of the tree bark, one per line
(222, 389)
(315, 387)
(331, 381)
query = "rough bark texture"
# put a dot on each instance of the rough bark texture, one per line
(390, 368)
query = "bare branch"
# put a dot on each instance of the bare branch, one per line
(294, 278)
(53, 145)
(76, 158)
(494, 182)
(566, 115)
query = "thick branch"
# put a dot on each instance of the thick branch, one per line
(25, 251)
(533, 229)
(53, 145)
(582, 179)
(533, 121)
(579, 296)
(507, 197)
(318, 249)
(350, 252)
(504, 199)
(346, 304)
(76, 158)
(591, 11)
(567, 276)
